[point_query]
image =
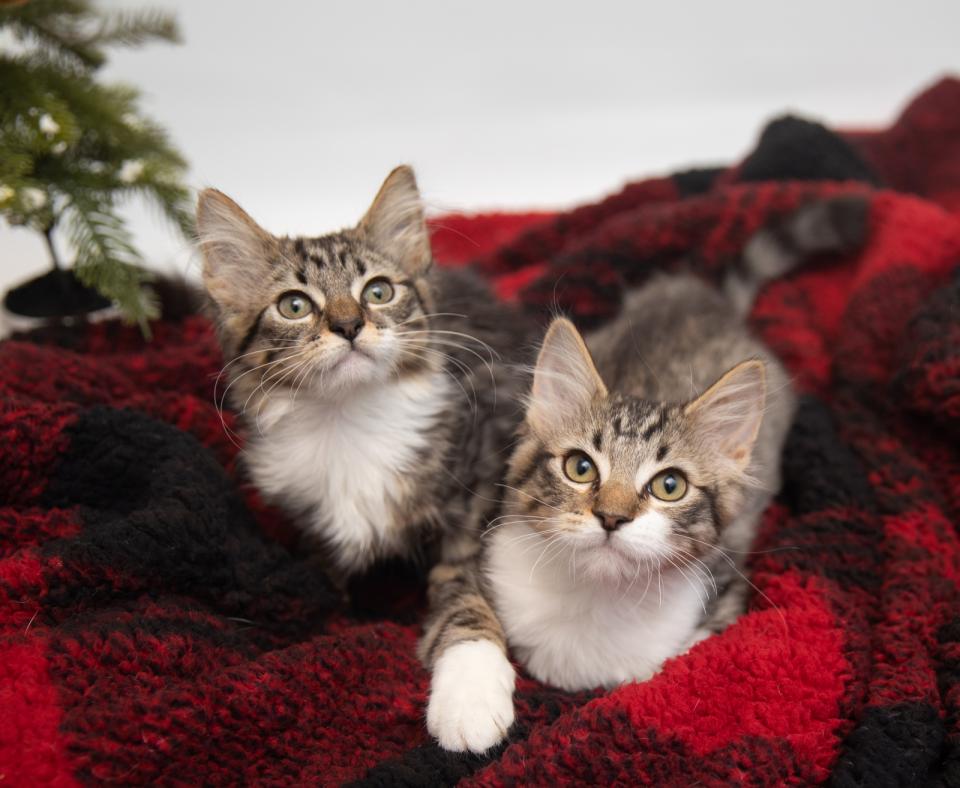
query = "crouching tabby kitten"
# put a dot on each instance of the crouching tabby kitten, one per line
(369, 382)
(633, 506)
(645, 459)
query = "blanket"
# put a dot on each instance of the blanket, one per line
(156, 625)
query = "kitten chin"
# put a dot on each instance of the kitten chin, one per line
(354, 368)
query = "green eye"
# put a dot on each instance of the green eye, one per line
(379, 291)
(668, 485)
(580, 468)
(294, 305)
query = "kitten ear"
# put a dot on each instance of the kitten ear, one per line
(727, 415)
(395, 222)
(236, 250)
(565, 381)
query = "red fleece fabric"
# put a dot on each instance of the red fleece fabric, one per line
(156, 627)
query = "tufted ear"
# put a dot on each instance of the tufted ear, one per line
(395, 222)
(237, 252)
(727, 415)
(565, 381)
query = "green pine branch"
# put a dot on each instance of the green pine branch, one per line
(72, 148)
(55, 28)
(106, 258)
(135, 28)
(75, 33)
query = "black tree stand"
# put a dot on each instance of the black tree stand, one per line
(51, 297)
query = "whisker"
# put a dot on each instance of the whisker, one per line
(441, 337)
(648, 566)
(218, 405)
(549, 544)
(465, 371)
(687, 557)
(416, 353)
(235, 359)
(434, 331)
(267, 377)
(267, 392)
(749, 582)
(557, 554)
(636, 575)
(280, 378)
(450, 343)
(532, 536)
(428, 315)
(532, 497)
(489, 531)
(490, 527)
(302, 377)
(689, 582)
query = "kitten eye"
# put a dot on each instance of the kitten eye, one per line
(294, 305)
(668, 485)
(580, 468)
(379, 291)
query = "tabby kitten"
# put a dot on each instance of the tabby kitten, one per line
(638, 503)
(629, 509)
(370, 383)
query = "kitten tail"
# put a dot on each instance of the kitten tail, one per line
(833, 226)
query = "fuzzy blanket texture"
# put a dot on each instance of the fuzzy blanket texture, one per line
(156, 627)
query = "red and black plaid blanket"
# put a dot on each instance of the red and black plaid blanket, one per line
(155, 627)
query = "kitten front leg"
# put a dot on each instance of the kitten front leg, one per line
(471, 691)
(699, 634)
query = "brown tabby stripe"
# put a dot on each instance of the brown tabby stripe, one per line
(251, 333)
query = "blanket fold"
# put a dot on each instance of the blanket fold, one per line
(156, 625)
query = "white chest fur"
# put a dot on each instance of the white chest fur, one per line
(347, 461)
(578, 635)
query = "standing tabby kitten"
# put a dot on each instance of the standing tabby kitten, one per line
(629, 508)
(369, 382)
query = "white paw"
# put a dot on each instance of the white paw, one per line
(699, 635)
(471, 697)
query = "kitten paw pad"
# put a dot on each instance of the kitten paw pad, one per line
(471, 697)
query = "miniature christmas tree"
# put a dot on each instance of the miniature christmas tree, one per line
(73, 150)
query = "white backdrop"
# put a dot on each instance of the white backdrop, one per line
(298, 109)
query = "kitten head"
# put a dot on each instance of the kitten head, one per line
(328, 313)
(620, 483)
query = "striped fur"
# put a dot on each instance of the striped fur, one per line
(689, 389)
(379, 426)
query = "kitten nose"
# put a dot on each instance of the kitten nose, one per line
(611, 522)
(347, 328)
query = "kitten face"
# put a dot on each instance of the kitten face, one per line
(326, 314)
(335, 314)
(619, 484)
